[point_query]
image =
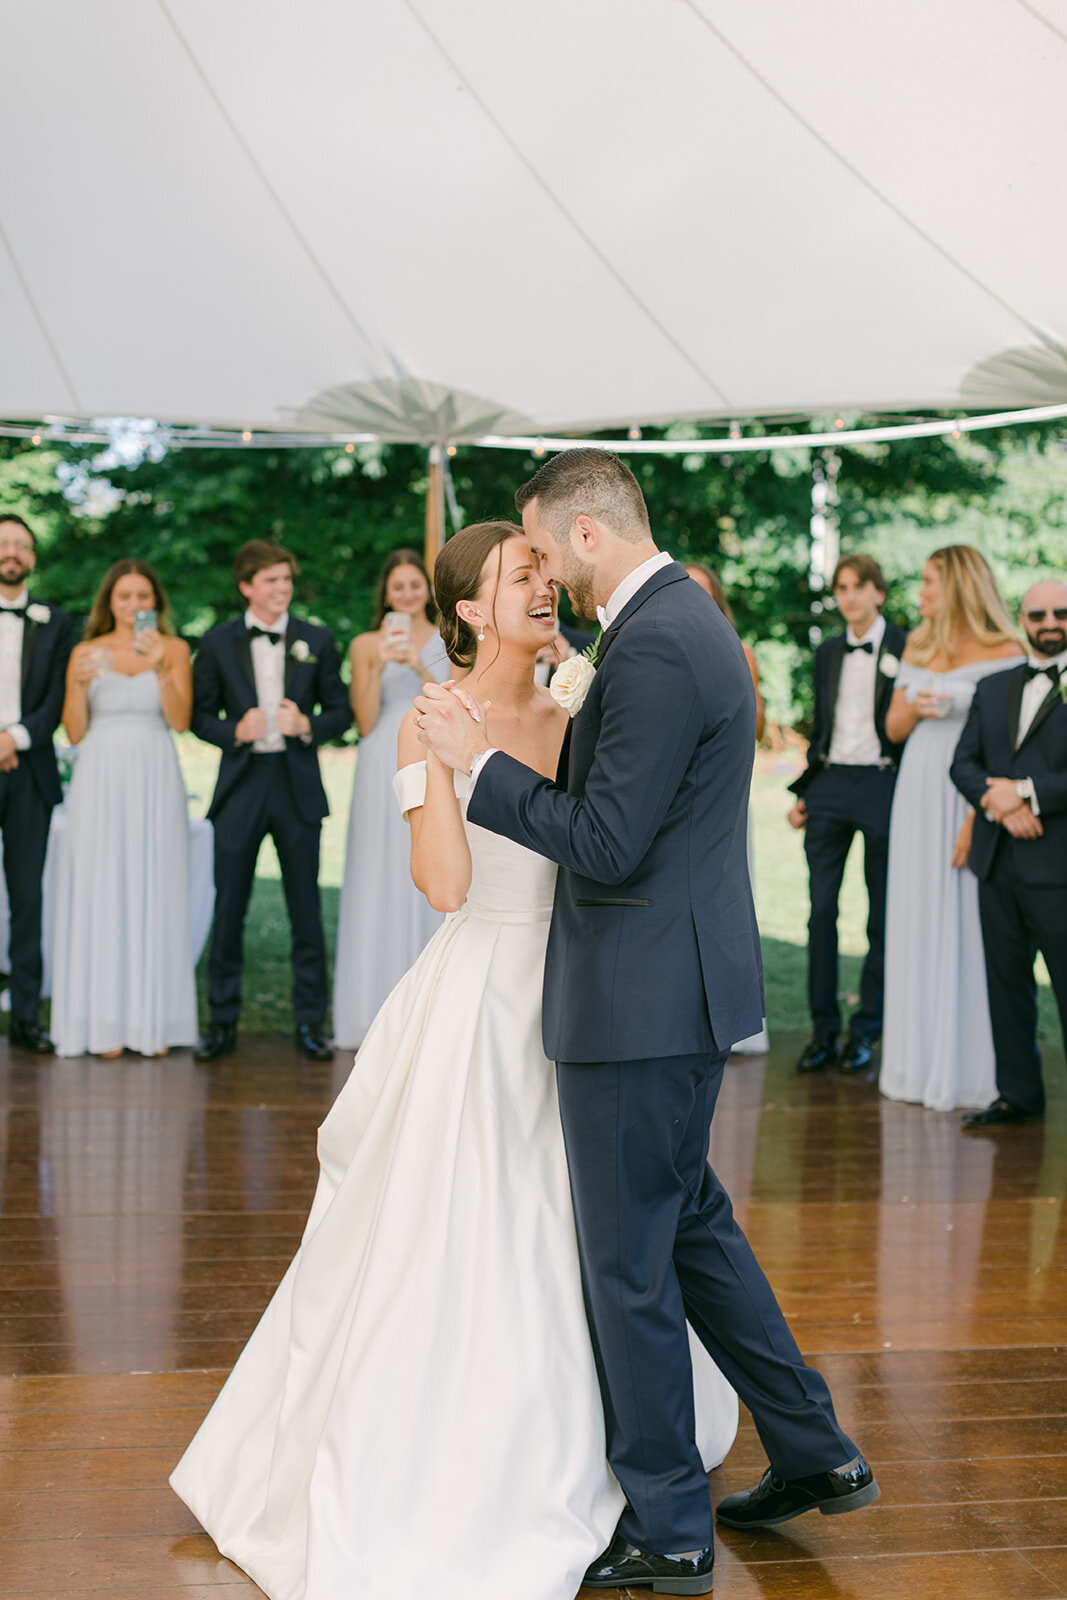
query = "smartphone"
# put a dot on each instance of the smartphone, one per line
(144, 622)
(396, 626)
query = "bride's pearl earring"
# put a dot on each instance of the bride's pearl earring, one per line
(481, 637)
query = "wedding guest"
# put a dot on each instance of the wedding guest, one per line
(709, 580)
(35, 641)
(123, 965)
(1011, 764)
(267, 691)
(847, 788)
(383, 922)
(938, 1048)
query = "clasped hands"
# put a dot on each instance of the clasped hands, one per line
(451, 724)
(1001, 803)
(292, 723)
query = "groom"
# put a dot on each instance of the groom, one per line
(652, 973)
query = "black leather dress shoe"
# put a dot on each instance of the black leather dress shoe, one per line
(623, 1566)
(817, 1055)
(24, 1035)
(855, 1057)
(997, 1115)
(776, 1500)
(220, 1039)
(308, 1038)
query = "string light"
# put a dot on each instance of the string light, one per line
(246, 436)
(36, 439)
(349, 449)
(956, 433)
(735, 430)
(451, 450)
(539, 447)
(633, 431)
(839, 422)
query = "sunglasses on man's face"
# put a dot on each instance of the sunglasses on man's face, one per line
(1059, 612)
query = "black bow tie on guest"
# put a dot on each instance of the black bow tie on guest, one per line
(265, 633)
(868, 648)
(1051, 672)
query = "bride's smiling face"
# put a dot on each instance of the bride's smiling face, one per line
(519, 606)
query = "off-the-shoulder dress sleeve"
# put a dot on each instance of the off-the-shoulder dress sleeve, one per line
(911, 679)
(409, 786)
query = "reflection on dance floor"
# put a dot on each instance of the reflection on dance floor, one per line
(148, 1208)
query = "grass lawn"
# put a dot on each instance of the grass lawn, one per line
(781, 898)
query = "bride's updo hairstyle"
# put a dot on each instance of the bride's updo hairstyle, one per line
(457, 575)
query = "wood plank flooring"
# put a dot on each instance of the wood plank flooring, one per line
(148, 1208)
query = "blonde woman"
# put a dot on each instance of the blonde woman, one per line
(937, 1046)
(123, 954)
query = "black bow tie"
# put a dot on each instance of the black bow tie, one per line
(265, 633)
(868, 648)
(1051, 672)
(13, 611)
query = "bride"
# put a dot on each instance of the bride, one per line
(418, 1408)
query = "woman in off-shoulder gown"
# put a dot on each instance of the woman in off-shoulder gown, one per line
(937, 1043)
(418, 1410)
(123, 965)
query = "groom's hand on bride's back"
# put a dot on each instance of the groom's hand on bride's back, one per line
(451, 724)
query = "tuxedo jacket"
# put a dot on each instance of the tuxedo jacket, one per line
(829, 659)
(224, 688)
(986, 749)
(46, 648)
(653, 948)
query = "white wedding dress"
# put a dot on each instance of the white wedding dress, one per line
(417, 1412)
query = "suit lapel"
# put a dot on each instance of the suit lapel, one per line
(563, 765)
(290, 660)
(242, 645)
(1016, 684)
(1044, 711)
(833, 681)
(30, 631)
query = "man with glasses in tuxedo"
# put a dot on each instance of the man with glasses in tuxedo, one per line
(1011, 764)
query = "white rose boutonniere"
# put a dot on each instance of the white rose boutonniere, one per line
(38, 612)
(300, 651)
(571, 683)
(888, 664)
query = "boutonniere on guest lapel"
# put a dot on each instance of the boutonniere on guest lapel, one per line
(1063, 690)
(301, 651)
(570, 682)
(888, 664)
(38, 613)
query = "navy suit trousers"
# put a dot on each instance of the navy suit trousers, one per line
(659, 1246)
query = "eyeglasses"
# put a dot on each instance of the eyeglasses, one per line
(1059, 612)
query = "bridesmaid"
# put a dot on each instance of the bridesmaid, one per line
(937, 1045)
(384, 922)
(709, 579)
(123, 975)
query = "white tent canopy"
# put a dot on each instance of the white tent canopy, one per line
(438, 219)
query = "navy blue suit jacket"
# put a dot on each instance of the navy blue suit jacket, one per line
(653, 949)
(46, 648)
(986, 749)
(224, 688)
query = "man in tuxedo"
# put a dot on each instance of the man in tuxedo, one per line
(267, 690)
(652, 972)
(847, 788)
(35, 643)
(1011, 764)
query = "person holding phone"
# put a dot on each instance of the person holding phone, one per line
(384, 922)
(123, 951)
(937, 1047)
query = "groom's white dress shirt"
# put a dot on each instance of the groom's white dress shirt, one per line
(1034, 695)
(854, 741)
(12, 629)
(620, 596)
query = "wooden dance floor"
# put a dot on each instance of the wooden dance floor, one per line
(148, 1208)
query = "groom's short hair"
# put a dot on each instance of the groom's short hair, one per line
(257, 554)
(589, 482)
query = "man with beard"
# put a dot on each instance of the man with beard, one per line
(35, 642)
(1011, 763)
